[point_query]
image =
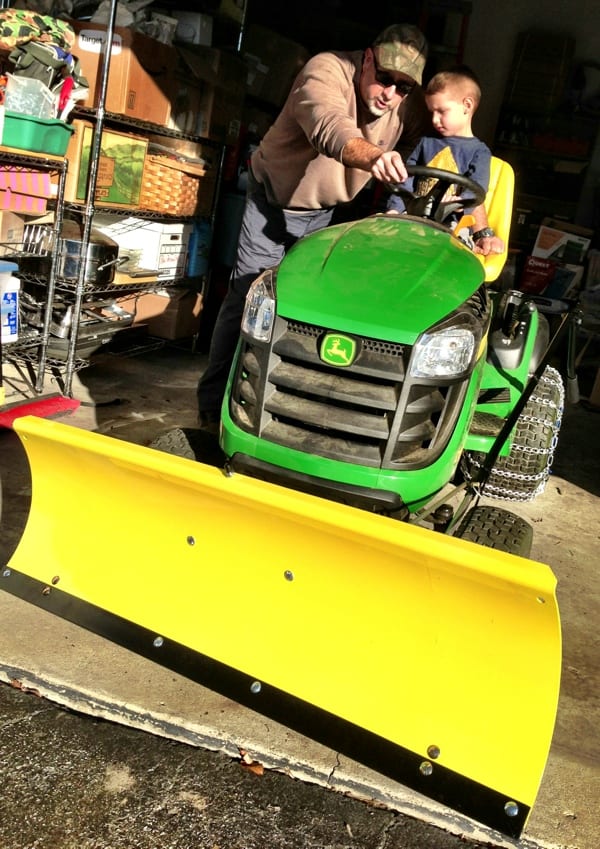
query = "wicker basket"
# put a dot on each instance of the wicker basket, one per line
(176, 188)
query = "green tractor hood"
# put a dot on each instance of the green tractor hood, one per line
(416, 274)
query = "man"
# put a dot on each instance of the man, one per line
(337, 129)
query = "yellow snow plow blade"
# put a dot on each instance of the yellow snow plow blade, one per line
(432, 660)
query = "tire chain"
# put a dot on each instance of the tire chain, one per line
(552, 379)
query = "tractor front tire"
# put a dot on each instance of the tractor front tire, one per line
(496, 528)
(191, 444)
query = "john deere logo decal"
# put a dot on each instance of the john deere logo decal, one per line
(338, 350)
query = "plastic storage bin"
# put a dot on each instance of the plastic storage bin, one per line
(38, 135)
(28, 96)
(9, 302)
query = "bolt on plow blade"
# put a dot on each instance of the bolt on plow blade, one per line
(432, 660)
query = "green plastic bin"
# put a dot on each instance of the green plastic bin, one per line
(39, 135)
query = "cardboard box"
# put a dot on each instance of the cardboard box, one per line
(168, 313)
(36, 183)
(24, 191)
(139, 80)
(25, 204)
(536, 275)
(272, 63)
(193, 27)
(159, 247)
(173, 250)
(181, 318)
(144, 305)
(11, 233)
(120, 167)
(568, 227)
(550, 278)
(566, 282)
(208, 93)
(562, 241)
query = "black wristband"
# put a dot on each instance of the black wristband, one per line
(486, 233)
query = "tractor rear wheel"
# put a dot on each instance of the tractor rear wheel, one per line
(522, 474)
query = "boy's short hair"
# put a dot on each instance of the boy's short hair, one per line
(460, 77)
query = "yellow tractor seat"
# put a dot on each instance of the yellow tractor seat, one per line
(499, 204)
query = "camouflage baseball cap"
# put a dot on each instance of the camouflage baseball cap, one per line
(402, 48)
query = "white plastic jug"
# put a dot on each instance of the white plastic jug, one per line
(9, 302)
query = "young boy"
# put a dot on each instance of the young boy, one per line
(452, 98)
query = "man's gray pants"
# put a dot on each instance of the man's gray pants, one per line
(266, 234)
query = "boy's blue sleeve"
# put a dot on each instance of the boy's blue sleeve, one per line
(480, 166)
(396, 203)
(416, 155)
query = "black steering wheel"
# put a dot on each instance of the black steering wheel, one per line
(432, 205)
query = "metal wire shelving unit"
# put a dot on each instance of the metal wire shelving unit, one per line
(33, 350)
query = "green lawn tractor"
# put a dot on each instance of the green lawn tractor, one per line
(378, 366)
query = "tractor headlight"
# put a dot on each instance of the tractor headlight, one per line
(259, 311)
(446, 351)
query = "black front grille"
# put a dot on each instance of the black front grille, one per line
(370, 412)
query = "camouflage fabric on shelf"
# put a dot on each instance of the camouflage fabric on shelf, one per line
(21, 26)
(40, 47)
(44, 62)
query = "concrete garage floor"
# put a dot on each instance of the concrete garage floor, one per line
(136, 398)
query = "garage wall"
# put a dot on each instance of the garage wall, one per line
(493, 29)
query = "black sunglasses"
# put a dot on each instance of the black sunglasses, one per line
(383, 78)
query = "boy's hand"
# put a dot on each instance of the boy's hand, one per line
(489, 245)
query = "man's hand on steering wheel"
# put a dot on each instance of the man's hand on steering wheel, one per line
(432, 204)
(389, 168)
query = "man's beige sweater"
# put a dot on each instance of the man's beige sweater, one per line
(299, 160)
